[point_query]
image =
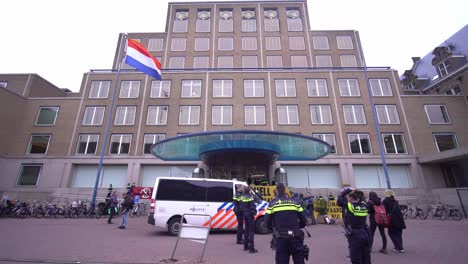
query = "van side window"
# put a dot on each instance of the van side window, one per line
(219, 191)
(182, 190)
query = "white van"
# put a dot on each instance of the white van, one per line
(172, 197)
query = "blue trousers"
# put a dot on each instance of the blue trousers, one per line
(359, 246)
(124, 218)
(249, 231)
(240, 225)
(286, 247)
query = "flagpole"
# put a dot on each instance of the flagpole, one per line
(109, 117)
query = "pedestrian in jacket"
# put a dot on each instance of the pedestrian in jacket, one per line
(112, 206)
(397, 223)
(374, 199)
(127, 206)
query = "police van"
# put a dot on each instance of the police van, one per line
(173, 197)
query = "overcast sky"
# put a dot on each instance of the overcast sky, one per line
(61, 40)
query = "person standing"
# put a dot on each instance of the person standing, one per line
(397, 222)
(310, 208)
(374, 200)
(331, 197)
(112, 206)
(127, 206)
(286, 218)
(356, 230)
(249, 211)
(238, 212)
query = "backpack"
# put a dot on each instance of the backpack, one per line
(381, 215)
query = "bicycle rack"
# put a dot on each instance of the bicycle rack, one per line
(192, 232)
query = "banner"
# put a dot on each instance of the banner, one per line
(267, 192)
(143, 192)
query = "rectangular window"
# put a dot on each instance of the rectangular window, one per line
(203, 20)
(249, 23)
(360, 143)
(271, 20)
(275, 61)
(179, 44)
(349, 87)
(287, 115)
(253, 88)
(320, 42)
(99, 89)
(317, 88)
(29, 174)
(437, 114)
(129, 89)
(221, 115)
(155, 44)
(93, 115)
(254, 115)
(182, 190)
(249, 62)
(87, 144)
(323, 60)
(38, 144)
(191, 88)
(222, 88)
(201, 62)
(202, 44)
(125, 116)
(189, 115)
(387, 114)
(176, 62)
(298, 61)
(225, 44)
(321, 115)
(294, 19)
(443, 68)
(285, 88)
(445, 141)
(225, 21)
(181, 21)
(394, 143)
(47, 116)
(160, 89)
(120, 144)
(348, 61)
(157, 115)
(354, 114)
(329, 138)
(380, 87)
(344, 42)
(273, 43)
(296, 43)
(150, 140)
(226, 62)
(249, 43)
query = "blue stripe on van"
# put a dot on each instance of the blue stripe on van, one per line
(221, 207)
(263, 206)
(231, 206)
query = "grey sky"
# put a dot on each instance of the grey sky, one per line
(61, 40)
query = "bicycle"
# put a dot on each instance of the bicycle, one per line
(438, 211)
(453, 213)
(413, 212)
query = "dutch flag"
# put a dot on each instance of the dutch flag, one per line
(141, 59)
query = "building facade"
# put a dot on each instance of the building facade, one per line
(226, 66)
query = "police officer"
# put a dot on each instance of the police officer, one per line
(249, 210)
(356, 229)
(237, 210)
(285, 217)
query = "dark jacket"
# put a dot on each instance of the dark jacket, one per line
(113, 201)
(284, 214)
(342, 201)
(393, 209)
(376, 201)
(247, 205)
(236, 201)
(127, 203)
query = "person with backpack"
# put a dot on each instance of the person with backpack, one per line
(127, 206)
(112, 206)
(397, 222)
(377, 218)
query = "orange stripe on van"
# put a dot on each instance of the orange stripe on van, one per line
(219, 220)
(233, 224)
(227, 221)
(213, 217)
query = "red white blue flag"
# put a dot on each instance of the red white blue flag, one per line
(142, 60)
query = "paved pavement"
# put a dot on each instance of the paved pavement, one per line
(94, 241)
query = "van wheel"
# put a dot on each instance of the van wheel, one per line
(260, 226)
(173, 226)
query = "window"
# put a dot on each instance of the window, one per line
(155, 44)
(176, 62)
(249, 62)
(221, 115)
(285, 88)
(298, 61)
(354, 114)
(445, 141)
(359, 143)
(203, 20)
(120, 144)
(249, 23)
(222, 88)
(296, 43)
(454, 91)
(125, 116)
(178, 44)
(323, 61)
(275, 61)
(47, 116)
(328, 138)
(380, 87)
(129, 89)
(437, 114)
(344, 42)
(189, 115)
(288, 114)
(85, 176)
(182, 190)
(151, 139)
(387, 114)
(218, 191)
(225, 44)
(394, 143)
(3, 84)
(201, 62)
(443, 68)
(225, 61)
(99, 89)
(254, 115)
(157, 115)
(38, 144)
(253, 88)
(29, 174)
(349, 87)
(273, 43)
(202, 44)
(93, 116)
(348, 61)
(317, 88)
(321, 114)
(160, 89)
(294, 19)
(249, 43)
(225, 20)
(320, 42)
(191, 88)
(181, 21)
(87, 144)
(271, 20)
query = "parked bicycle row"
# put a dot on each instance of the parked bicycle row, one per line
(438, 211)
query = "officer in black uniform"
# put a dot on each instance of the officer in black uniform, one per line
(286, 218)
(237, 210)
(356, 230)
(249, 211)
